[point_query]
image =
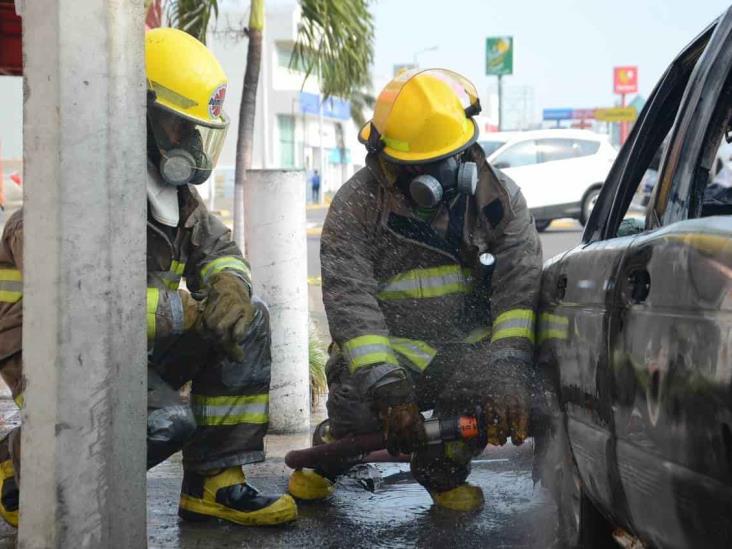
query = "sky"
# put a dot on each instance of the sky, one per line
(564, 49)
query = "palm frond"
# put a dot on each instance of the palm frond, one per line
(335, 43)
(192, 16)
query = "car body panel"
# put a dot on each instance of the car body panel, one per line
(644, 367)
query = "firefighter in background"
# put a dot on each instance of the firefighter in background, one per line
(414, 326)
(213, 334)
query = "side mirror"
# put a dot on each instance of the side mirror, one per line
(501, 165)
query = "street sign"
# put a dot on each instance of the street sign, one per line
(583, 114)
(625, 80)
(557, 114)
(616, 114)
(499, 55)
(333, 107)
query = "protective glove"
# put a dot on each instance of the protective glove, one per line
(403, 423)
(191, 310)
(508, 403)
(227, 313)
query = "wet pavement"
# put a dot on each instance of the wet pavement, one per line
(377, 505)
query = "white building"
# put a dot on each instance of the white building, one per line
(288, 131)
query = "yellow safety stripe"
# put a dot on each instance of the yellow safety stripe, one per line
(427, 283)
(366, 350)
(153, 297)
(417, 352)
(478, 335)
(20, 400)
(11, 285)
(514, 323)
(172, 277)
(227, 262)
(553, 327)
(395, 144)
(230, 410)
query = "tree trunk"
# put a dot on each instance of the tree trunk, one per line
(246, 116)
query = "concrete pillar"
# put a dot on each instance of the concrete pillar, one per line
(277, 252)
(84, 426)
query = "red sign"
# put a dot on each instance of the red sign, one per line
(625, 79)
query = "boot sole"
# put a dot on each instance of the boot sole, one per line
(197, 510)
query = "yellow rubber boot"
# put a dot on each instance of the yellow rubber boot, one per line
(226, 495)
(9, 493)
(465, 497)
(308, 485)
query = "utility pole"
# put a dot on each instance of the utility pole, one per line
(500, 102)
(84, 275)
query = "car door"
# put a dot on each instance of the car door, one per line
(520, 162)
(580, 314)
(563, 171)
(671, 336)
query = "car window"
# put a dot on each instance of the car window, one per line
(715, 164)
(557, 149)
(491, 146)
(520, 154)
(586, 147)
(618, 211)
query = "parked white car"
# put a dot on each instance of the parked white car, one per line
(560, 172)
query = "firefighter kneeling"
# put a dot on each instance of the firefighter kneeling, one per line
(414, 325)
(214, 334)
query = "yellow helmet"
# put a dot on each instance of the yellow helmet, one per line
(185, 76)
(423, 116)
(186, 121)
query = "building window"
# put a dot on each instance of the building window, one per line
(286, 126)
(284, 54)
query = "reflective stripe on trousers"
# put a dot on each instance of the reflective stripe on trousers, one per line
(427, 283)
(230, 410)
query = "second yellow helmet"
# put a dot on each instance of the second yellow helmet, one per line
(423, 116)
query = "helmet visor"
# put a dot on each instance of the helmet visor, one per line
(188, 150)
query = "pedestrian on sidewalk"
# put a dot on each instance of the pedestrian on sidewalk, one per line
(214, 333)
(408, 249)
(315, 187)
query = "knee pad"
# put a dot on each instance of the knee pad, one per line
(168, 429)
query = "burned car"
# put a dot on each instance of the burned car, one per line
(635, 329)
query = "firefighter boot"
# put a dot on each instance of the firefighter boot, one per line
(465, 497)
(226, 495)
(9, 493)
(309, 485)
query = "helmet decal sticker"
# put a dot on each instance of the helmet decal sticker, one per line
(216, 102)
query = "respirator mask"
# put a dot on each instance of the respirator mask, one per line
(184, 151)
(441, 180)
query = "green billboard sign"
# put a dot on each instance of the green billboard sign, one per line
(499, 55)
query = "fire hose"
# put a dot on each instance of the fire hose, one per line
(437, 431)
